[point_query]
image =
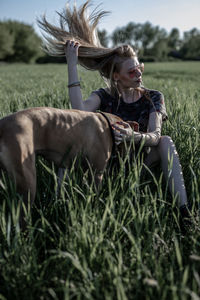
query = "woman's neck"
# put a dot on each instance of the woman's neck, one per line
(130, 95)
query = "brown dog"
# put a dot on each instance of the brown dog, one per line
(59, 136)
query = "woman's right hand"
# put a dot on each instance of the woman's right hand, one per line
(71, 52)
(122, 132)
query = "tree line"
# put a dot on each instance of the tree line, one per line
(20, 43)
(154, 43)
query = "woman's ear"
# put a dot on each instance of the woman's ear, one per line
(115, 76)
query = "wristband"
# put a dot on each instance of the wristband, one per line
(77, 83)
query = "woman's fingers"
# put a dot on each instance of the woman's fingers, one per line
(124, 124)
(119, 139)
(71, 44)
(119, 136)
(120, 129)
(77, 45)
(71, 50)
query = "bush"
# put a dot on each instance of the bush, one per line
(18, 42)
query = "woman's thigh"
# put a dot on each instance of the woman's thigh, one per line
(162, 152)
(153, 157)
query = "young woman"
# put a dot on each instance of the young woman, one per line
(124, 96)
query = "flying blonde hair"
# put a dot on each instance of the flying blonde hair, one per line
(77, 26)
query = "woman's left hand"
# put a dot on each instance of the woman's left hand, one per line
(122, 131)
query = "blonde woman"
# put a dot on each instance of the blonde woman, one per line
(124, 96)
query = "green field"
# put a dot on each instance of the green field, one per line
(124, 243)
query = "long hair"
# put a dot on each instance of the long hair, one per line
(77, 26)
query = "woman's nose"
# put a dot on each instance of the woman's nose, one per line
(138, 72)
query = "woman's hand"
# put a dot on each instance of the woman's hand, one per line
(71, 52)
(122, 132)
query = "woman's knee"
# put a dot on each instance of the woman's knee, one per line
(165, 139)
(166, 143)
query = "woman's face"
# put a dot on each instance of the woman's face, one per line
(130, 74)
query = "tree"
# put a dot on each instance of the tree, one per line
(6, 41)
(141, 36)
(18, 42)
(129, 34)
(103, 37)
(190, 34)
(174, 40)
(150, 35)
(191, 45)
(119, 36)
(159, 50)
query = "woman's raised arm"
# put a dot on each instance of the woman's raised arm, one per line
(75, 95)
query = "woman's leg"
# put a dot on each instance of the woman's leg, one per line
(166, 153)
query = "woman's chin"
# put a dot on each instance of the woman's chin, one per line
(137, 84)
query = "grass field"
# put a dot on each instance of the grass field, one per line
(124, 243)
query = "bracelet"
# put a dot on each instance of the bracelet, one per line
(77, 83)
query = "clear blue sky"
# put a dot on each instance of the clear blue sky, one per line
(182, 14)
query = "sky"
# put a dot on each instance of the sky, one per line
(167, 14)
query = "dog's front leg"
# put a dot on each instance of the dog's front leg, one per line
(25, 178)
(98, 181)
(61, 173)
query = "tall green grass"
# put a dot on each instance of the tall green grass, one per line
(123, 243)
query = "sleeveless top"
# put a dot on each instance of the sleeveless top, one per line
(138, 111)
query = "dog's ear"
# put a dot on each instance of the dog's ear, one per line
(134, 125)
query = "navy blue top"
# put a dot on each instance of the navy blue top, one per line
(137, 111)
